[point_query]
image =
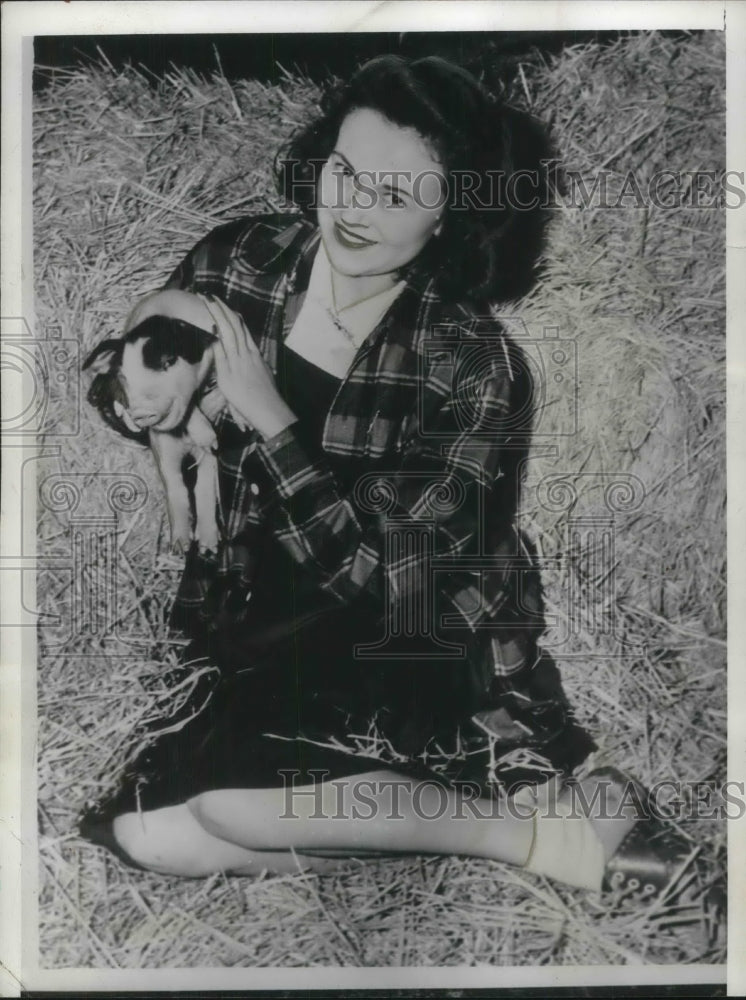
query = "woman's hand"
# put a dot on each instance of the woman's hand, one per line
(243, 377)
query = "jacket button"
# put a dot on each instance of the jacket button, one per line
(254, 489)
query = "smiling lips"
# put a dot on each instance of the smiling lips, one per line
(351, 240)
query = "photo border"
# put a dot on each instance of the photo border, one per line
(18, 836)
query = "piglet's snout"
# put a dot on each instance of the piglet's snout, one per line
(138, 415)
(145, 418)
(143, 409)
(158, 397)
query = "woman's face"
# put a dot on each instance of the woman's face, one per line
(380, 196)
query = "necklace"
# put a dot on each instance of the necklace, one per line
(333, 311)
(355, 302)
(340, 326)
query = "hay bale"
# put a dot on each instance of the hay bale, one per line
(129, 171)
(641, 292)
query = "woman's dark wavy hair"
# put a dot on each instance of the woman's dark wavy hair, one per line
(484, 252)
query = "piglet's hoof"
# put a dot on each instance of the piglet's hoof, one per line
(208, 545)
(208, 537)
(179, 546)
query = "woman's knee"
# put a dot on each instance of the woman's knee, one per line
(221, 815)
(133, 839)
(158, 841)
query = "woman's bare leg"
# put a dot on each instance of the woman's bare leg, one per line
(170, 841)
(246, 831)
(358, 814)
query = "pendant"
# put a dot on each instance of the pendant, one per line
(341, 327)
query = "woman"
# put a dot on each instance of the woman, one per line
(373, 612)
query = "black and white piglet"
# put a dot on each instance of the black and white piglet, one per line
(150, 386)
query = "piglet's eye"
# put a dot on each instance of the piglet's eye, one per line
(166, 340)
(167, 361)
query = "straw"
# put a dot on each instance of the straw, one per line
(130, 170)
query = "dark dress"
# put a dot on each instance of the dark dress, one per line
(291, 701)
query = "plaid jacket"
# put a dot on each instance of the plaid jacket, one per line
(408, 505)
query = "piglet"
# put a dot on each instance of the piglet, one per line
(149, 385)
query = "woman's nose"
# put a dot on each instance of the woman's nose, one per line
(356, 201)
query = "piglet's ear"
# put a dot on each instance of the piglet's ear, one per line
(103, 357)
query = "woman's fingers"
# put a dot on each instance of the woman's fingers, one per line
(231, 327)
(232, 330)
(223, 372)
(223, 325)
(221, 360)
(238, 419)
(243, 376)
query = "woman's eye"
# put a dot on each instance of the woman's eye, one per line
(340, 167)
(394, 200)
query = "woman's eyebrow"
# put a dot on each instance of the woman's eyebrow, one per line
(395, 189)
(393, 174)
(336, 152)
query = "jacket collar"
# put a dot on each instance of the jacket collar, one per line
(272, 244)
(410, 314)
(285, 244)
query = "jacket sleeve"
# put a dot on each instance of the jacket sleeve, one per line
(379, 539)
